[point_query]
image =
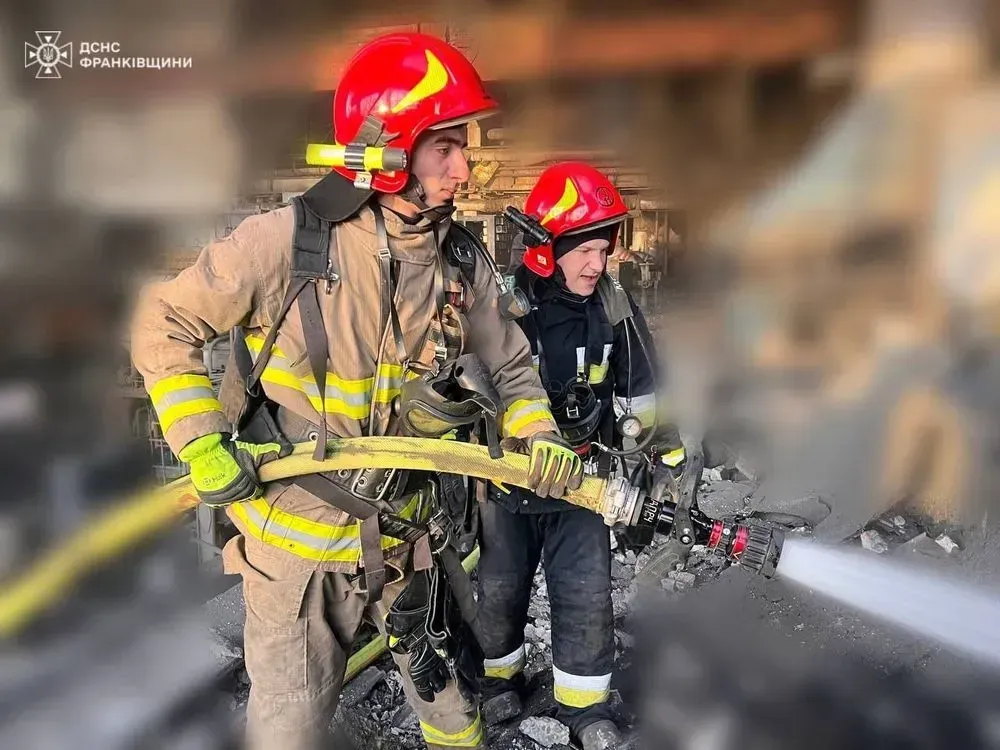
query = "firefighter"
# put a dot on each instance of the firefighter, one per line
(592, 349)
(336, 303)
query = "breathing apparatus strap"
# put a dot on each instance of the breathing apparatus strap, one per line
(313, 245)
(388, 288)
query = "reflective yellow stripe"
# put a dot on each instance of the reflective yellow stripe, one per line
(598, 373)
(173, 383)
(344, 385)
(506, 666)
(522, 413)
(580, 691)
(199, 406)
(312, 540)
(180, 396)
(468, 737)
(674, 458)
(347, 397)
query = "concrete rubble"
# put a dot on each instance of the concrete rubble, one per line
(872, 541)
(545, 731)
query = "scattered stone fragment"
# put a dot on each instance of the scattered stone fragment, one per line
(630, 557)
(358, 689)
(946, 543)
(404, 718)
(681, 579)
(619, 571)
(711, 475)
(872, 541)
(626, 640)
(899, 521)
(545, 731)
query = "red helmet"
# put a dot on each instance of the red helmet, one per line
(571, 198)
(409, 83)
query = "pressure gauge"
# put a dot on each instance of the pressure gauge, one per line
(630, 426)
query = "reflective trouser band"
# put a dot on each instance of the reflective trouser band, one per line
(522, 413)
(674, 458)
(180, 396)
(506, 666)
(312, 540)
(471, 736)
(578, 691)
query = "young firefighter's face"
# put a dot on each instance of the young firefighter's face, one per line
(584, 265)
(440, 165)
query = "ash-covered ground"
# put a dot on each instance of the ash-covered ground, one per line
(374, 713)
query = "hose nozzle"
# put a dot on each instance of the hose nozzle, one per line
(755, 546)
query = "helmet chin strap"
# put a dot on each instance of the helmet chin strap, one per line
(414, 193)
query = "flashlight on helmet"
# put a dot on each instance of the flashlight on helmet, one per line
(356, 156)
(534, 233)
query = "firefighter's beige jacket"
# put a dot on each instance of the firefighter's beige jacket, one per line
(241, 281)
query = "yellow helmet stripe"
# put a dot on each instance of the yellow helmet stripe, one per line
(565, 203)
(434, 80)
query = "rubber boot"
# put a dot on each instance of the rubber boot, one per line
(601, 735)
(501, 699)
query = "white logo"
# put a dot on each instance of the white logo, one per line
(48, 55)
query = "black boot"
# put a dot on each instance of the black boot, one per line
(501, 699)
(601, 735)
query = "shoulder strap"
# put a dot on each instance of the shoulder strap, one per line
(461, 250)
(314, 246)
(614, 299)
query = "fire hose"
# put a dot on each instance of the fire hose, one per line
(756, 546)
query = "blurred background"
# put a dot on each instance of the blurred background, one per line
(815, 213)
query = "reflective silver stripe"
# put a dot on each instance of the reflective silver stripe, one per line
(181, 396)
(581, 355)
(514, 421)
(515, 657)
(333, 393)
(644, 403)
(596, 683)
(318, 543)
(311, 389)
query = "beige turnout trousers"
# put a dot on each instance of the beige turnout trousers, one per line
(300, 626)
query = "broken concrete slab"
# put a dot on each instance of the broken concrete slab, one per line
(724, 498)
(923, 545)
(546, 731)
(358, 689)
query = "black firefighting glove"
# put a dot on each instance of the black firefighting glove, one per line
(225, 471)
(424, 623)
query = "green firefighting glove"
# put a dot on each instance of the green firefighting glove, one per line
(555, 467)
(225, 471)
